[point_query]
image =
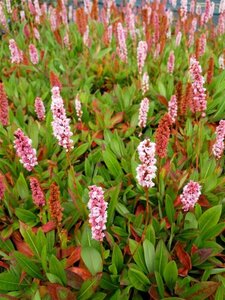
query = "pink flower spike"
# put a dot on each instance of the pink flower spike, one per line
(122, 47)
(172, 108)
(60, 124)
(33, 54)
(98, 212)
(16, 53)
(37, 193)
(143, 113)
(40, 109)
(146, 171)
(141, 55)
(190, 195)
(78, 108)
(145, 83)
(219, 145)
(170, 63)
(27, 154)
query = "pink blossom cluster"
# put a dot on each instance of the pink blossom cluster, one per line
(78, 108)
(143, 112)
(192, 6)
(130, 22)
(178, 38)
(146, 171)
(16, 53)
(39, 108)
(199, 102)
(170, 63)
(183, 10)
(172, 108)
(206, 15)
(33, 54)
(60, 124)
(122, 47)
(37, 193)
(87, 6)
(141, 55)
(145, 83)
(219, 145)
(190, 195)
(98, 212)
(27, 154)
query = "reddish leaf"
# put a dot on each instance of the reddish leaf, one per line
(203, 201)
(21, 246)
(162, 100)
(177, 202)
(139, 210)
(118, 118)
(97, 135)
(136, 237)
(154, 293)
(193, 249)
(46, 227)
(184, 258)
(81, 126)
(4, 265)
(83, 273)
(73, 280)
(74, 257)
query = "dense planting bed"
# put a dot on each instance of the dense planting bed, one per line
(112, 131)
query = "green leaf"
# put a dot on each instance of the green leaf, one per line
(9, 281)
(160, 285)
(26, 216)
(80, 150)
(209, 218)
(171, 274)
(114, 194)
(117, 257)
(138, 254)
(161, 257)
(54, 278)
(112, 163)
(170, 211)
(56, 268)
(92, 260)
(149, 254)
(28, 265)
(30, 239)
(200, 291)
(87, 289)
(138, 279)
(22, 188)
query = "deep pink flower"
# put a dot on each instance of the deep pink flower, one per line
(199, 102)
(4, 106)
(143, 112)
(190, 195)
(39, 108)
(122, 47)
(141, 55)
(37, 192)
(172, 108)
(146, 171)
(60, 124)
(33, 54)
(219, 145)
(27, 154)
(98, 212)
(78, 108)
(16, 53)
(170, 63)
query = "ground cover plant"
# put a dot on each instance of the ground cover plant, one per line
(112, 128)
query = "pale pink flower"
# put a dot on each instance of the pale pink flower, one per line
(53, 19)
(174, 3)
(219, 145)
(145, 83)
(109, 33)
(22, 15)
(36, 34)
(60, 124)
(192, 6)
(27, 154)
(87, 6)
(141, 55)
(178, 38)
(172, 108)
(206, 15)
(143, 112)
(198, 9)
(222, 6)
(170, 63)
(221, 62)
(31, 7)
(37, 8)
(16, 53)
(8, 6)
(202, 44)
(122, 47)
(98, 212)
(37, 192)
(78, 108)
(190, 195)
(39, 108)
(199, 102)
(183, 10)
(86, 39)
(146, 171)
(33, 54)
(130, 22)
